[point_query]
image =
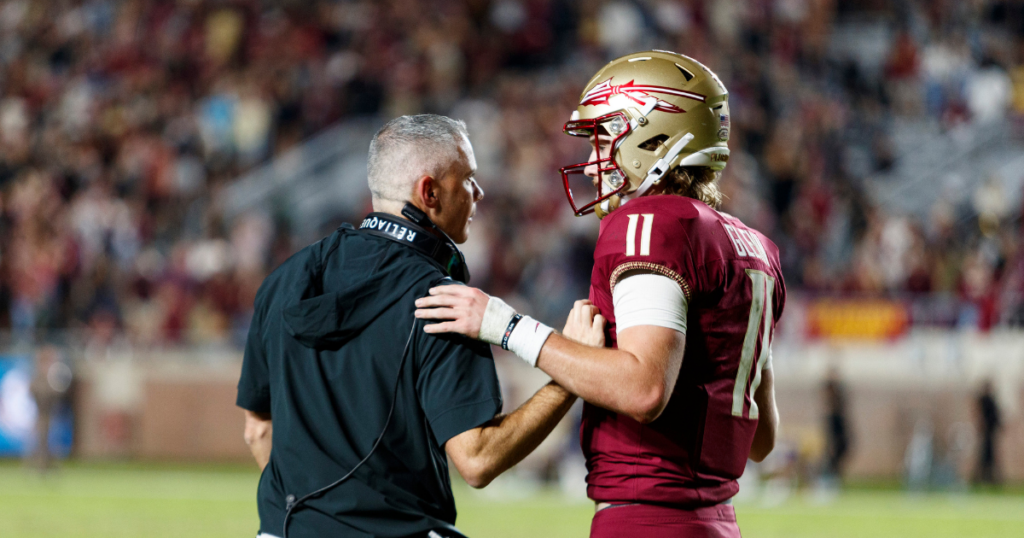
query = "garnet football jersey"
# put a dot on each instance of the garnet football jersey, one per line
(693, 453)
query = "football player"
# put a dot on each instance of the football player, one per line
(682, 394)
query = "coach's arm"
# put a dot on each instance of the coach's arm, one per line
(483, 453)
(768, 416)
(258, 434)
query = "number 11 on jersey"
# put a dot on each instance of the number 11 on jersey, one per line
(645, 235)
(762, 287)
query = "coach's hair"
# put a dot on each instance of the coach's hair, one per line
(698, 182)
(409, 147)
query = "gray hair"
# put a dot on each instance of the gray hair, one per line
(409, 147)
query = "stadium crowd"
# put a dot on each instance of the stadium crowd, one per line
(121, 121)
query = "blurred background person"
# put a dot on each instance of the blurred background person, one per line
(51, 380)
(919, 457)
(837, 429)
(989, 422)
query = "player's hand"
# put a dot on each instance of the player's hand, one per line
(585, 324)
(462, 306)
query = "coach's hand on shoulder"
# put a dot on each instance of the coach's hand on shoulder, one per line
(473, 313)
(585, 324)
(462, 306)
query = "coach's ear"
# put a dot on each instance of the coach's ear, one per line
(426, 195)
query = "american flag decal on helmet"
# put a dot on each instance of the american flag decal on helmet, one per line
(640, 94)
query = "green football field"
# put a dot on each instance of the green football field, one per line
(130, 500)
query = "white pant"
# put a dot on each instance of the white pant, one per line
(265, 535)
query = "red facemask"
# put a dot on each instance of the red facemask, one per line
(613, 127)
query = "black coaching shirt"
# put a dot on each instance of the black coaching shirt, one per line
(324, 358)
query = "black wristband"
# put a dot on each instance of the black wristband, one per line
(508, 330)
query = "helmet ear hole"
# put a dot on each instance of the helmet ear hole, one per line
(653, 143)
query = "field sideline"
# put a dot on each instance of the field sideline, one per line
(132, 500)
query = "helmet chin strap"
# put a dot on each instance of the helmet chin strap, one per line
(660, 168)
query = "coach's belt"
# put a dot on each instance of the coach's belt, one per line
(602, 505)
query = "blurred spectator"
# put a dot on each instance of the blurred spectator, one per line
(989, 421)
(918, 460)
(837, 429)
(51, 380)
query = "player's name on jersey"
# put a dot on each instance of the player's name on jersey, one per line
(746, 243)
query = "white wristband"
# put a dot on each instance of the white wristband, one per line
(496, 319)
(527, 335)
(528, 338)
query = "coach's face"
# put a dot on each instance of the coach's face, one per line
(457, 193)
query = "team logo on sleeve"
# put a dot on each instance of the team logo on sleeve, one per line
(639, 94)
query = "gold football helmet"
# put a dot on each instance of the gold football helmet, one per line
(647, 113)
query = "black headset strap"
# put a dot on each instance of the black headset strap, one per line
(411, 234)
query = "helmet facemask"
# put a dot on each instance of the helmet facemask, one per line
(606, 134)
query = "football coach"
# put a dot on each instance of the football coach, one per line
(350, 406)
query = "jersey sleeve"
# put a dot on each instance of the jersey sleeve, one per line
(254, 385)
(457, 384)
(649, 299)
(780, 298)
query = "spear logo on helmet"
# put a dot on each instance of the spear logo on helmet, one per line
(599, 95)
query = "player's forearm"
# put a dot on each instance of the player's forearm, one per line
(258, 435)
(507, 439)
(614, 379)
